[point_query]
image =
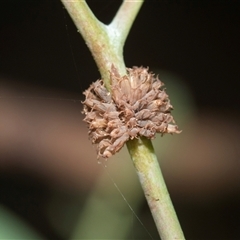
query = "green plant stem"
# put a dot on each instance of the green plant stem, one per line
(106, 45)
(105, 51)
(122, 23)
(154, 187)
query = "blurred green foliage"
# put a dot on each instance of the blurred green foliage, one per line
(13, 227)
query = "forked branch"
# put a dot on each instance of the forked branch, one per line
(106, 45)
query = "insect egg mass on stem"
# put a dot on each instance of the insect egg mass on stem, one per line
(136, 107)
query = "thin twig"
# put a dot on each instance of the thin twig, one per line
(106, 44)
(154, 187)
(96, 37)
(123, 21)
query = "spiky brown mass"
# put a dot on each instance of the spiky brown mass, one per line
(137, 106)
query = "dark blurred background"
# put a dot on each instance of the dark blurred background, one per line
(43, 156)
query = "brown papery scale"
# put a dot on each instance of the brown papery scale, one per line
(136, 107)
